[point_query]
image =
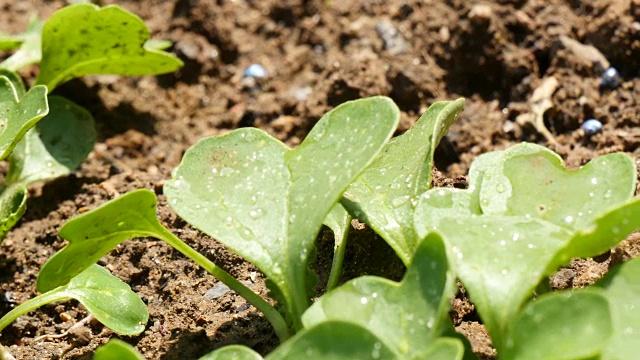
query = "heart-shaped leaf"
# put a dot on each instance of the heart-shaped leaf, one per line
(84, 39)
(117, 350)
(267, 202)
(108, 299)
(19, 111)
(56, 146)
(502, 249)
(622, 289)
(406, 316)
(530, 180)
(385, 194)
(29, 51)
(564, 325)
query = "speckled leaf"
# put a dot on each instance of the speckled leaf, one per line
(622, 288)
(529, 179)
(13, 203)
(334, 340)
(232, 352)
(385, 194)
(29, 51)
(406, 316)
(56, 146)
(500, 249)
(565, 325)
(93, 234)
(19, 111)
(117, 350)
(85, 39)
(267, 202)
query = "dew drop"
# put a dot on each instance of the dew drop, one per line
(500, 188)
(49, 164)
(226, 171)
(531, 246)
(594, 181)
(214, 170)
(249, 136)
(607, 194)
(515, 237)
(504, 272)
(502, 242)
(568, 219)
(485, 201)
(121, 224)
(374, 295)
(256, 213)
(399, 201)
(363, 300)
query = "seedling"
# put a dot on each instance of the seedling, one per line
(107, 298)
(75, 41)
(267, 202)
(524, 216)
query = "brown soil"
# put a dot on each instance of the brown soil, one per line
(318, 54)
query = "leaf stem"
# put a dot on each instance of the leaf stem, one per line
(30, 305)
(274, 317)
(338, 255)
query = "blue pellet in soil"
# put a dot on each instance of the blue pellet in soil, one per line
(255, 71)
(591, 127)
(610, 79)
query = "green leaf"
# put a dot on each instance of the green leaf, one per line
(339, 221)
(56, 146)
(84, 39)
(565, 325)
(267, 202)
(531, 180)
(13, 204)
(19, 111)
(117, 350)
(94, 233)
(385, 194)
(444, 349)
(30, 48)
(406, 316)
(503, 248)
(108, 299)
(232, 352)
(334, 340)
(622, 289)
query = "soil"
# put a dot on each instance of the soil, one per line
(318, 54)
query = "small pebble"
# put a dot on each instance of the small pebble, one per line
(610, 79)
(255, 71)
(591, 127)
(218, 290)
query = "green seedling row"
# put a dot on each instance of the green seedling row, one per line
(522, 217)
